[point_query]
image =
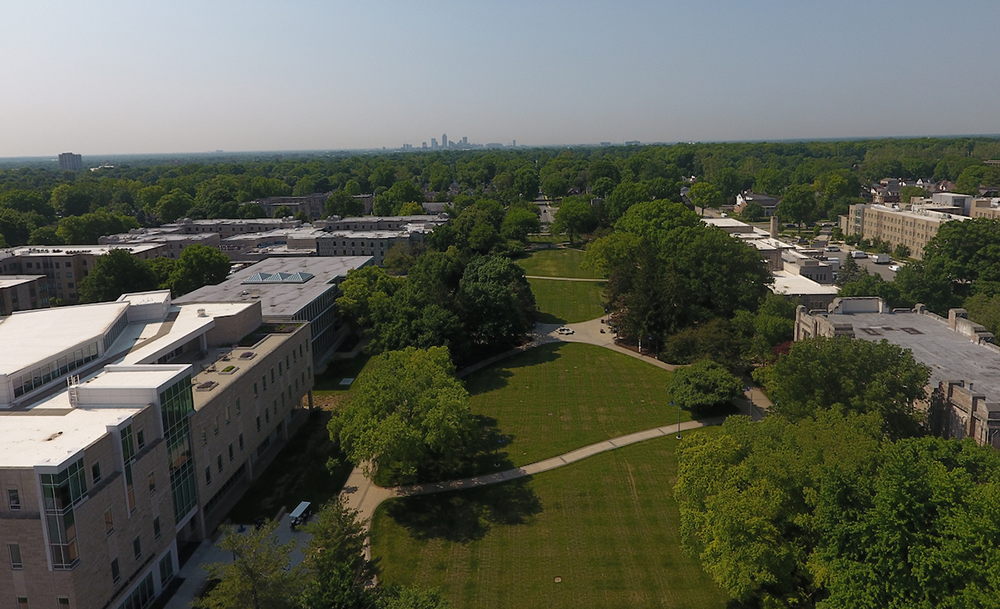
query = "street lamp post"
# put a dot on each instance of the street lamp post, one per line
(746, 388)
(678, 419)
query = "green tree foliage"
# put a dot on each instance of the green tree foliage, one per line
(71, 199)
(391, 201)
(704, 194)
(985, 309)
(967, 253)
(769, 180)
(342, 204)
(730, 183)
(603, 187)
(494, 291)
(713, 340)
(667, 270)
(798, 204)
(408, 416)
(250, 211)
(114, 274)
(352, 187)
(753, 212)
(518, 223)
(396, 597)
(703, 386)
(527, 183)
(574, 217)
(44, 235)
(337, 573)
(868, 284)
(260, 577)
(27, 202)
(624, 196)
(199, 265)
(827, 513)
(908, 192)
(174, 205)
(88, 228)
(15, 228)
(282, 211)
(848, 375)
(603, 168)
(758, 333)
(412, 208)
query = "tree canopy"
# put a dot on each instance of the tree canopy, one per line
(848, 375)
(114, 274)
(408, 416)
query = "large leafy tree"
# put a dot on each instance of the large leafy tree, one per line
(199, 265)
(114, 274)
(798, 204)
(704, 385)
(849, 375)
(337, 573)
(518, 223)
(408, 417)
(966, 253)
(260, 576)
(704, 194)
(496, 300)
(574, 217)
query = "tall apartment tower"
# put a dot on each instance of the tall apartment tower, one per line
(444, 140)
(70, 162)
(434, 143)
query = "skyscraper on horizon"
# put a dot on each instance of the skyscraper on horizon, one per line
(444, 140)
(70, 162)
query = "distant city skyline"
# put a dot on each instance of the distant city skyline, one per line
(116, 77)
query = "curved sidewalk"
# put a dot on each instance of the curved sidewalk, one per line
(363, 495)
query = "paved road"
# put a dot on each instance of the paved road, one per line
(865, 263)
(565, 278)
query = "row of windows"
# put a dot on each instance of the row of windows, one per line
(21, 602)
(55, 369)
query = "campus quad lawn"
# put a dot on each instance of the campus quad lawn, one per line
(555, 263)
(567, 302)
(607, 525)
(592, 393)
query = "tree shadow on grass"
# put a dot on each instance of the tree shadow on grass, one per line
(464, 516)
(496, 376)
(719, 410)
(548, 318)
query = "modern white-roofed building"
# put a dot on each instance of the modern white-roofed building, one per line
(127, 429)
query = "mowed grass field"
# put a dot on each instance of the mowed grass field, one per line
(556, 263)
(606, 526)
(562, 396)
(567, 302)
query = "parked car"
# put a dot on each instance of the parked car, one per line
(832, 248)
(565, 330)
(858, 254)
(881, 259)
(894, 267)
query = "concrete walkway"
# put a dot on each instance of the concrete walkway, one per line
(565, 278)
(363, 495)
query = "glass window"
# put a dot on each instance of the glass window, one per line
(140, 439)
(109, 522)
(241, 441)
(218, 460)
(116, 573)
(230, 452)
(137, 548)
(258, 423)
(95, 470)
(13, 499)
(157, 533)
(15, 556)
(151, 479)
(22, 602)
(62, 602)
(208, 475)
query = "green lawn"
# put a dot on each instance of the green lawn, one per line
(567, 302)
(607, 526)
(547, 239)
(339, 369)
(555, 263)
(562, 396)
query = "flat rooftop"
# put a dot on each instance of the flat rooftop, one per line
(54, 431)
(281, 299)
(9, 281)
(72, 250)
(42, 333)
(950, 355)
(791, 284)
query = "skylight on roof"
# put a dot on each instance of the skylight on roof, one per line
(278, 278)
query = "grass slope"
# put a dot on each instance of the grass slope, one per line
(555, 263)
(607, 526)
(592, 393)
(566, 302)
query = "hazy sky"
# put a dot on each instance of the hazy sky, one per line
(103, 77)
